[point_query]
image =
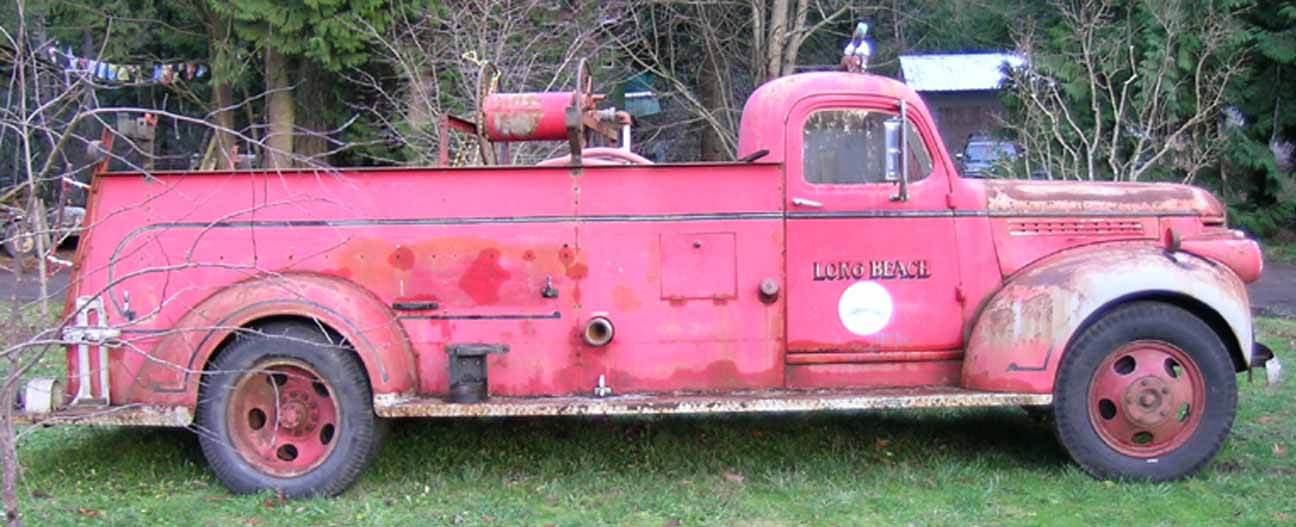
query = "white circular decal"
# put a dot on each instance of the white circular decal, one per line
(865, 308)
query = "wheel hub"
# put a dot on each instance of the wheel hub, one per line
(26, 244)
(298, 416)
(1146, 398)
(282, 418)
(1148, 401)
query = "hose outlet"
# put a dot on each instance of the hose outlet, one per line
(599, 331)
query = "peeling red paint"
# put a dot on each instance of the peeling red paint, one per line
(484, 277)
(402, 258)
(577, 271)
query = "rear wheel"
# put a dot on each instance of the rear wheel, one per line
(1146, 393)
(285, 409)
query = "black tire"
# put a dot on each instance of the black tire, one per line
(359, 431)
(1159, 324)
(18, 242)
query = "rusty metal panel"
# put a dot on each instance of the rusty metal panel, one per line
(927, 373)
(126, 415)
(526, 116)
(699, 266)
(744, 402)
(1015, 197)
(1018, 341)
(350, 242)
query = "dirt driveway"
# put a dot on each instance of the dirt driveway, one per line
(26, 287)
(1275, 294)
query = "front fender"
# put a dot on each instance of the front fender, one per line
(1018, 340)
(353, 312)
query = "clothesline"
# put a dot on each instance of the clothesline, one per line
(158, 73)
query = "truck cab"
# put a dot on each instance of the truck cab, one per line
(843, 264)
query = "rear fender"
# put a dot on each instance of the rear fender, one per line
(339, 305)
(1023, 330)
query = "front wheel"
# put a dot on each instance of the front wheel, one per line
(287, 409)
(1147, 393)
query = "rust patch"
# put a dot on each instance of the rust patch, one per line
(127, 415)
(518, 123)
(624, 299)
(577, 271)
(484, 277)
(761, 401)
(1151, 198)
(402, 258)
(569, 257)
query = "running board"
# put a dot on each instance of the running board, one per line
(127, 415)
(744, 402)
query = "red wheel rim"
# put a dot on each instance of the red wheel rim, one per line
(1146, 399)
(283, 418)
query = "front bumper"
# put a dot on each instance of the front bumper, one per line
(1263, 358)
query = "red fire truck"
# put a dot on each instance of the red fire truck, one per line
(840, 264)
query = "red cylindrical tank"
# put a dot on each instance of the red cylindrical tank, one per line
(526, 116)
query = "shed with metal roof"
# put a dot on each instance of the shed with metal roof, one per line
(962, 90)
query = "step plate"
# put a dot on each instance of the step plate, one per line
(746, 402)
(127, 415)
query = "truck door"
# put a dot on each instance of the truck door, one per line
(868, 273)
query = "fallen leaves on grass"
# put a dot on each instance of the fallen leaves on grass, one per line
(734, 478)
(1279, 450)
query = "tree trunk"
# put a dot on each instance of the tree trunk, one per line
(313, 95)
(280, 111)
(777, 39)
(792, 42)
(712, 99)
(222, 92)
(9, 450)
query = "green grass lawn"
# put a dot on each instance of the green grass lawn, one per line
(957, 468)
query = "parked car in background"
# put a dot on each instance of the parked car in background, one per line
(983, 156)
(17, 231)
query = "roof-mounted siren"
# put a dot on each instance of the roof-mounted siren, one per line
(855, 57)
(550, 116)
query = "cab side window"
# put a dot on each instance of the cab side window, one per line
(848, 147)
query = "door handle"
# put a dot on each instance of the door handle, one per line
(802, 202)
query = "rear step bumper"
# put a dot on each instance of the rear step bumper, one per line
(747, 402)
(128, 415)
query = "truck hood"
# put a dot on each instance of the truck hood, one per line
(1006, 197)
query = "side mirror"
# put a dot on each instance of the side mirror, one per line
(897, 152)
(893, 155)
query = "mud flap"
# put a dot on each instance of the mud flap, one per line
(1263, 358)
